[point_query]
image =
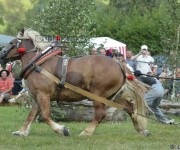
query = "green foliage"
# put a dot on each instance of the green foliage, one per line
(1, 21)
(72, 20)
(148, 29)
(13, 15)
(153, 23)
(108, 22)
(134, 22)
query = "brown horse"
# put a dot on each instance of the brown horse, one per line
(99, 75)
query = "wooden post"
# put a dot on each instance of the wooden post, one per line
(174, 70)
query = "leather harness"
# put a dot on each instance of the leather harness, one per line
(61, 74)
(61, 69)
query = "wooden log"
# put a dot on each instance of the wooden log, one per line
(81, 111)
(170, 105)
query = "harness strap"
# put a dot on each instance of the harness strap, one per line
(79, 90)
(31, 63)
(39, 62)
(64, 70)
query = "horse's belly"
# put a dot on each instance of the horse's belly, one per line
(68, 95)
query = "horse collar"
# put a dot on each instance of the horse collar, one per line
(31, 65)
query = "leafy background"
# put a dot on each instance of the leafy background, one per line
(134, 22)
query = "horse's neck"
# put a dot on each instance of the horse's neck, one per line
(29, 45)
(25, 59)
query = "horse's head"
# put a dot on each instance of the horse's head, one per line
(13, 51)
(26, 41)
(4, 52)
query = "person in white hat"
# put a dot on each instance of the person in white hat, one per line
(144, 62)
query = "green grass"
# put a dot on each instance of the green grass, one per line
(108, 136)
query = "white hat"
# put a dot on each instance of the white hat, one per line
(144, 47)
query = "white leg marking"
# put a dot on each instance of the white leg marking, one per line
(57, 128)
(23, 132)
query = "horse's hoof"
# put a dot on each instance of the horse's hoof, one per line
(145, 133)
(16, 133)
(19, 133)
(66, 131)
(84, 134)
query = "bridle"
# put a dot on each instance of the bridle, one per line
(20, 50)
(39, 58)
(6, 49)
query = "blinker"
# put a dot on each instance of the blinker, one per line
(19, 41)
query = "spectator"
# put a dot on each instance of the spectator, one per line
(15, 68)
(144, 61)
(6, 85)
(153, 96)
(120, 57)
(167, 84)
(93, 52)
(9, 69)
(153, 66)
(22, 94)
(111, 52)
(102, 51)
(129, 61)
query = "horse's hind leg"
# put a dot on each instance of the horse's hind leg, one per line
(100, 114)
(140, 122)
(44, 103)
(24, 131)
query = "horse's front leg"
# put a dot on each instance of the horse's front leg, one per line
(24, 131)
(100, 114)
(44, 103)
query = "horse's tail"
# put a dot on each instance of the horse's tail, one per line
(133, 92)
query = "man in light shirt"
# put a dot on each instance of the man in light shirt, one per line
(129, 61)
(144, 62)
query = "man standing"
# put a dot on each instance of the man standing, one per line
(6, 85)
(144, 61)
(129, 60)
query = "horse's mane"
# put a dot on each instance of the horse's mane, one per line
(35, 36)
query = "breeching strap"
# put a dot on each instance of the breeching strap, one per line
(79, 90)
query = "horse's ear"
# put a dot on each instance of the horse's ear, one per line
(22, 31)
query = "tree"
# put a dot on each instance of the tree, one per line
(13, 15)
(1, 21)
(149, 29)
(138, 22)
(73, 20)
